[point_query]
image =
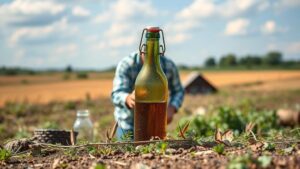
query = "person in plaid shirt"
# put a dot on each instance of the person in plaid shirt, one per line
(123, 90)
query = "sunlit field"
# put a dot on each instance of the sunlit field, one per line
(44, 88)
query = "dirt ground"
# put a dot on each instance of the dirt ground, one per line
(195, 157)
(47, 88)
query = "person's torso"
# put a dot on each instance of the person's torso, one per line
(136, 66)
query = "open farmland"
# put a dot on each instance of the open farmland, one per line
(243, 97)
(45, 88)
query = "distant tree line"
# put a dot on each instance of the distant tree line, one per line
(270, 59)
(68, 71)
(12, 71)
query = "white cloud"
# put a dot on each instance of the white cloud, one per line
(32, 7)
(183, 26)
(198, 9)
(287, 3)
(263, 5)
(34, 33)
(102, 18)
(272, 46)
(117, 29)
(178, 38)
(27, 11)
(293, 48)
(237, 27)
(125, 10)
(123, 41)
(190, 17)
(269, 27)
(80, 11)
(122, 16)
(235, 7)
(66, 49)
(115, 42)
(119, 34)
(290, 48)
(229, 8)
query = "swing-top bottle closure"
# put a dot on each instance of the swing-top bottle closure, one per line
(152, 32)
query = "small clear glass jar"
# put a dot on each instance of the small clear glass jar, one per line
(84, 126)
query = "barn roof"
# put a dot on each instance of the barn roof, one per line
(191, 77)
(196, 83)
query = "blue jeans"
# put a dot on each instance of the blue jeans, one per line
(123, 134)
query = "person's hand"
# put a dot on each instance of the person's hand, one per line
(130, 100)
(170, 113)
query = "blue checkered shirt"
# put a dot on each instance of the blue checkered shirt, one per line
(123, 84)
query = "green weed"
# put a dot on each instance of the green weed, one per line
(161, 147)
(99, 166)
(71, 152)
(4, 154)
(235, 119)
(22, 133)
(264, 161)
(220, 149)
(50, 125)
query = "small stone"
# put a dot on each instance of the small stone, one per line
(180, 150)
(282, 162)
(192, 149)
(170, 151)
(127, 154)
(148, 156)
(55, 163)
(139, 166)
(139, 147)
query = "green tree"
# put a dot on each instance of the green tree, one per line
(250, 60)
(69, 69)
(273, 58)
(210, 62)
(228, 60)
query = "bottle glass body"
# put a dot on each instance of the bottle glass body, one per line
(84, 126)
(151, 95)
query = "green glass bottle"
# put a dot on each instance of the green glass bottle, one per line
(151, 91)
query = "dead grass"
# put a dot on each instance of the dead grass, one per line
(46, 88)
(60, 91)
(225, 78)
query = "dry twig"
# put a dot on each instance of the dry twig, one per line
(72, 137)
(183, 130)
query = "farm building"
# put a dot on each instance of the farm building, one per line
(197, 84)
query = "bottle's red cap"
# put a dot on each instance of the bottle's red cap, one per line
(153, 29)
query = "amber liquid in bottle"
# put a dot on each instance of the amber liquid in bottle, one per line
(151, 94)
(151, 120)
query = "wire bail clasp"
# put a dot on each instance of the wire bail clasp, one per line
(163, 47)
(143, 46)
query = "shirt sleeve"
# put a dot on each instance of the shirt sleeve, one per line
(121, 84)
(176, 89)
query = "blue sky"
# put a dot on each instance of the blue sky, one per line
(97, 34)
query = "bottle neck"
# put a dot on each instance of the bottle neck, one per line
(152, 58)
